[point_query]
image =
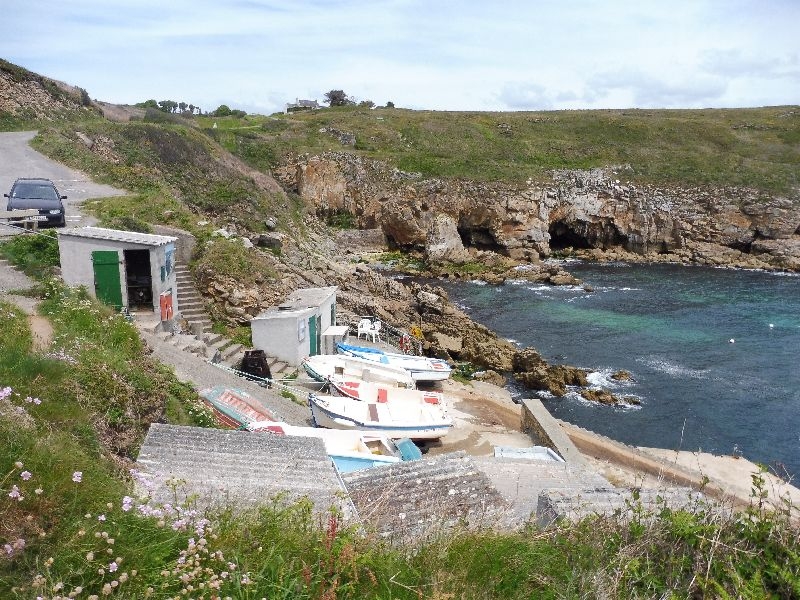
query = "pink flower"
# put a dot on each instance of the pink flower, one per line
(25, 475)
(113, 567)
(77, 476)
(14, 493)
(101, 518)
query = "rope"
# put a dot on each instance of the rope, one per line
(270, 383)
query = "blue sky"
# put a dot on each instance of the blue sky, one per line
(256, 55)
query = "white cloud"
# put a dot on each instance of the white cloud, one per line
(455, 55)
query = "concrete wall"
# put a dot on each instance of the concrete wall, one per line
(544, 430)
(77, 268)
(278, 334)
(185, 245)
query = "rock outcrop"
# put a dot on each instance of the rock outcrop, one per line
(598, 211)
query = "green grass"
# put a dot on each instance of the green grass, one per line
(755, 147)
(34, 254)
(72, 520)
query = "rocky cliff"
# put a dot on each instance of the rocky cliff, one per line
(599, 212)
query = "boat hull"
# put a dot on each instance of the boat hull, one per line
(421, 368)
(326, 413)
(322, 366)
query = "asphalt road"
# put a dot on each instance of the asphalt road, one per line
(18, 159)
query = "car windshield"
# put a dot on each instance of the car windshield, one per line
(34, 191)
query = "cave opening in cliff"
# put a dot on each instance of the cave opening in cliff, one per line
(562, 236)
(478, 238)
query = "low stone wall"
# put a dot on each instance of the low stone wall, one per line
(545, 430)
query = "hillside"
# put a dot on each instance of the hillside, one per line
(73, 418)
(752, 147)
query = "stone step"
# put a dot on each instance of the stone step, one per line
(190, 304)
(212, 338)
(230, 350)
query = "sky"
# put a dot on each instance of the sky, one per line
(257, 55)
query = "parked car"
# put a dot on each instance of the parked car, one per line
(40, 194)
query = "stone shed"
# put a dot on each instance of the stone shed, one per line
(296, 328)
(122, 268)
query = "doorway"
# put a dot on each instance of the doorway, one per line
(139, 279)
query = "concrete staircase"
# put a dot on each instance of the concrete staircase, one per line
(190, 302)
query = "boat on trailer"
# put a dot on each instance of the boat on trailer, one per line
(422, 368)
(350, 450)
(234, 408)
(376, 392)
(323, 366)
(398, 419)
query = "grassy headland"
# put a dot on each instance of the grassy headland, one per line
(754, 147)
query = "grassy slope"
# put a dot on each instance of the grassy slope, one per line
(758, 147)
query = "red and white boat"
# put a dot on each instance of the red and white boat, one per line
(234, 408)
(376, 392)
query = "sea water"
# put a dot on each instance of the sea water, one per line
(714, 353)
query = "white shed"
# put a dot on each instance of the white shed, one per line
(122, 268)
(295, 329)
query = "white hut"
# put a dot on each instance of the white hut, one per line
(302, 326)
(121, 268)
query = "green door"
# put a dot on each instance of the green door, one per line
(312, 336)
(107, 285)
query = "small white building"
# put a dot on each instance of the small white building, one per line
(299, 327)
(122, 268)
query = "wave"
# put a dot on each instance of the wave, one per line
(673, 369)
(602, 378)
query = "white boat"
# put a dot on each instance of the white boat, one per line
(421, 368)
(376, 392)
(392, 419)
(322, 366)
(350, 450)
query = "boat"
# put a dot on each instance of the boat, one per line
(234, 408)
(350, 450)
(422, 368)
(392, 419)
(376, 392)
(322, 366)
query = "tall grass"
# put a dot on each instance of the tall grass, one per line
(77, 523)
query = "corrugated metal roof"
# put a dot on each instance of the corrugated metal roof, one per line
(239, 467)
(117, 235)
(416, 499)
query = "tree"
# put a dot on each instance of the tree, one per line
(390, 104)
(147, 104)
(367, 104)
(191, 108)
(182, 106)
(223, 110)
(336, 98)
(168, 106)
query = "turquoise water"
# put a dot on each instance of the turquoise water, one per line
(671, 327)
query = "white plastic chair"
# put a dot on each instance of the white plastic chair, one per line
(365, 327)
(375, 331)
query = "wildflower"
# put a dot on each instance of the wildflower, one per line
(77, 476)
(18, 464)
(107, 589)
(90, 556)
(112, 567)
(49, 561)
(8, 549)
(38, 491)
(123, 577)
(101, 517)
(26, 475)
(14, 493)
(5, 392)
(127, 501)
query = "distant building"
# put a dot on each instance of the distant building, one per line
(299, 105)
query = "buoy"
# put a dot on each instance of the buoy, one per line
(731, 340)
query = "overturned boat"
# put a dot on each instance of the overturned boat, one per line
(234, 408)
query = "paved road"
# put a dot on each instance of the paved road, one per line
(18, 159)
